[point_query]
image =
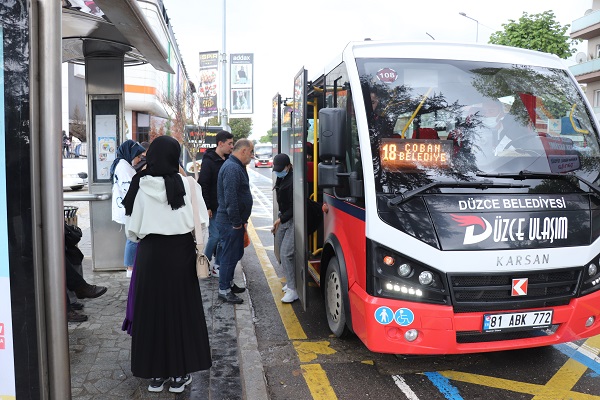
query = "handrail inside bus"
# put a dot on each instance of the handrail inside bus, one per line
(584, 131)
(415, 113)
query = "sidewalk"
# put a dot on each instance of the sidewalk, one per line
(100, 351)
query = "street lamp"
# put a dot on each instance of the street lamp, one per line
(477, 31)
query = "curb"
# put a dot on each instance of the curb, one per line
(254, 384)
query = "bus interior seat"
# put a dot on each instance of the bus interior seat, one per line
(426, 133)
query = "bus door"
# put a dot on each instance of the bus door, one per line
(296, 153)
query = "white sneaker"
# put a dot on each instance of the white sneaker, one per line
(214, 270)
(129, 272)
(284, 288)
(290, 296)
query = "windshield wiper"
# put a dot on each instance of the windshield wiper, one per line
(541, 175)
(486, 184)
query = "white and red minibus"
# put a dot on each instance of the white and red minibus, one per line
(459, 192)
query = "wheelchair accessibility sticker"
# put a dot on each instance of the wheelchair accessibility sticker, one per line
(404, 317)
(384, 315)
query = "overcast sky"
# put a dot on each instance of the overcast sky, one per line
(286, 35)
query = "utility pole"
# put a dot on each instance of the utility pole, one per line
(224, 111)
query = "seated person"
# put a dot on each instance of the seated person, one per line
(74, 280)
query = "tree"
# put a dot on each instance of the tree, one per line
(178, 104)
(77, 125)
(539, 32)
(240, 127)
(268, 138)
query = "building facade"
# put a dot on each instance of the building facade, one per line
(152, 99)
(587, 69)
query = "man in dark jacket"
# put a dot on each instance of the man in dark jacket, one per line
(212, 161)
(235, 206)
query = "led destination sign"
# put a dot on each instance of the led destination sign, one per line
(412, 153)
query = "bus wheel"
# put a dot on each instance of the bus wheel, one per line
(334, 301)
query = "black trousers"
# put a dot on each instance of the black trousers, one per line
(74, 279)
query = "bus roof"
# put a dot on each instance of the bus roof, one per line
(442, 51)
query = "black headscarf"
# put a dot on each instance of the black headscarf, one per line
(127, 151)
(162, 159)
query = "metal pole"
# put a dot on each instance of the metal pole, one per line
(52, 215)
(477, 29)
(224, 112)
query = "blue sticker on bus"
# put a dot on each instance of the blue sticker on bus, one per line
(404, 317)
(384, 315)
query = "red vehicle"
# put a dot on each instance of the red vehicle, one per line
(263, 155)
(460, 197)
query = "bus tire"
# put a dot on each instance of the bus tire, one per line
(334, 300)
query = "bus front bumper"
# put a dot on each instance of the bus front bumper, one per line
(437, 328)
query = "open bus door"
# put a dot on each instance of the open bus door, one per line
(296, 153)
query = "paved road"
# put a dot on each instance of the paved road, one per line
(302, 360)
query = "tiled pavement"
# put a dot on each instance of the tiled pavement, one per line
(100, 351)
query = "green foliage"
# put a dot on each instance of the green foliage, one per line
(539, 32)
(268, 138)
(240, 127)
(213, 121)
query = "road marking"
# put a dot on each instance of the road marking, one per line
(558, 387)
(288, 316)
(444, 386)
(317, 382)
(314, 375)
(309, 351)
(399, 381)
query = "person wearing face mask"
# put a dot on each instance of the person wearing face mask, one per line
(283, 227)
(508, 133)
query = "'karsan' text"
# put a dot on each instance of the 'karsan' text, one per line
(522, 260)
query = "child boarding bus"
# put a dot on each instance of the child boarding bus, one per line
(459, 196)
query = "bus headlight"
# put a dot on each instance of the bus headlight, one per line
(425, 278)
(404, 270)
(396, 276)
(591, 278)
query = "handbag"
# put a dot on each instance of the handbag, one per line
(246, 239)
(201, 260)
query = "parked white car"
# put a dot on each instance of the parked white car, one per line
(75, 175)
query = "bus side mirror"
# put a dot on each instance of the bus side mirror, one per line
(329, 175)
(332, 129)
(356, 185)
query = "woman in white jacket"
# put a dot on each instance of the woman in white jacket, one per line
(169, 335)
(121, 172)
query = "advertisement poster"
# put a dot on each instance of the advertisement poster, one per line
(7, 357)
(207, 90)
(241, 83)
(106, 147)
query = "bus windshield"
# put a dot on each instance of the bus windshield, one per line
(263, 150)
(447, 120)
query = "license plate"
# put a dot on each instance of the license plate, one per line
(517, 321)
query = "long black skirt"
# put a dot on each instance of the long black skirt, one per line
(169, 335)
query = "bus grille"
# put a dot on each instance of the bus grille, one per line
(472, 293)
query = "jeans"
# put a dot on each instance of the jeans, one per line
(229, 253)
(129, 256)
(213, 241)
(284, 240)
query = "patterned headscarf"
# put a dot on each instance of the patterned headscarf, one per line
(127, 151)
